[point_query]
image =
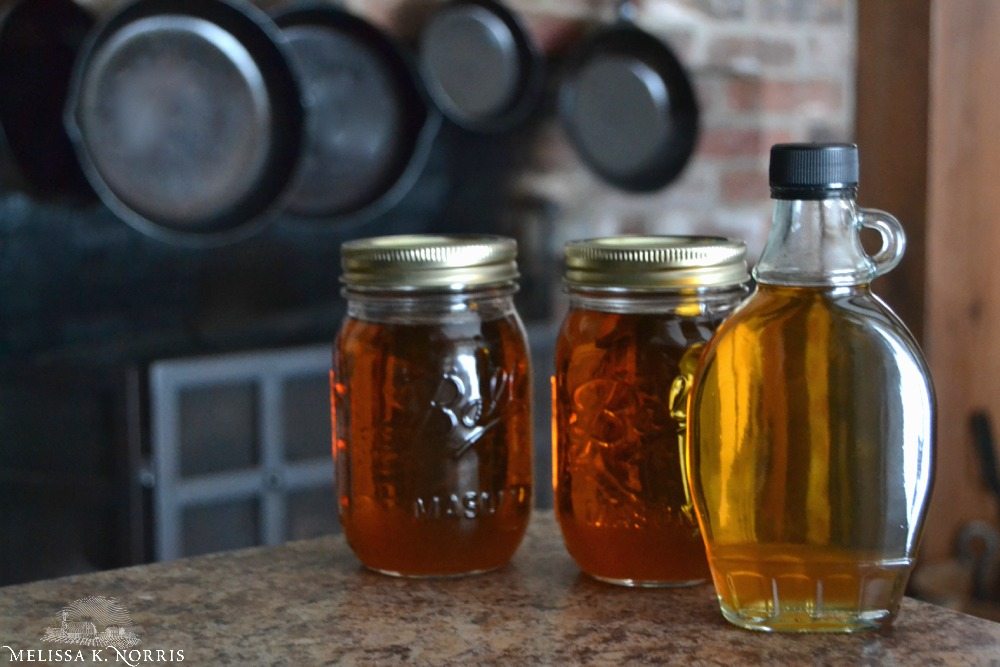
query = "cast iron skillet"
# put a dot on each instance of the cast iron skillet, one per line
(629, 108)
(187, 118)
(39, 40)
(368, 126)
(480, 65)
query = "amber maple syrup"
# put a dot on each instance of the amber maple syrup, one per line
(620, 495)
(802, 530)
(433, 443)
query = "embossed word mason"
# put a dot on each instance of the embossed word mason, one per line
(432, 407)
(470, 505)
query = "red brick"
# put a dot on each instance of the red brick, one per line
(550, 151)
(785, 96)
(554, 34)
(730, 142)
(745, 94)
(403, 20)
(745, 185)
(725, 51)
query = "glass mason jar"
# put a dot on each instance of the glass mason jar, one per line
(432, 405)
(641, 308)
(812, 418)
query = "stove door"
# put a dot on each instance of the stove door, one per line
(240, 450)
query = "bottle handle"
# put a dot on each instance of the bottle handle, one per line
(893, 239)
(677, 404)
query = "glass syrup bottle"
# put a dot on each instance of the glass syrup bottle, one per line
(811, 418)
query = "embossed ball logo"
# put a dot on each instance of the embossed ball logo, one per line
(471, 411)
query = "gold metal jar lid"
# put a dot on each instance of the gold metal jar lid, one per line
(425, 261)
(656, 262)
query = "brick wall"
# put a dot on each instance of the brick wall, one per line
(765, 71)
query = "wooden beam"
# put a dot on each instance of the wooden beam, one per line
(963, 253)
(891, 130)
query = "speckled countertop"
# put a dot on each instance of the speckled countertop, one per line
(310, 603)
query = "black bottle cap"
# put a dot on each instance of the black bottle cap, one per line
(813, 171)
